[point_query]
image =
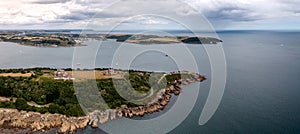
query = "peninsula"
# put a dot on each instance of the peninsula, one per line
(156, 39)
(40, 40)
(41, 99)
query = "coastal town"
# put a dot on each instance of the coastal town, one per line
(39, 40)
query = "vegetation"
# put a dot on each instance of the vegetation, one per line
(61, 94)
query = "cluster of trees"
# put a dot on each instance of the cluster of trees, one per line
(19, 70)
(21, 104)
(140, 81)
(173, 77)
(59, 93)
(118, 38)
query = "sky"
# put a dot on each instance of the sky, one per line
(150, 14)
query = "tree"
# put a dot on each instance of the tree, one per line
(21, 104)
(54, 108)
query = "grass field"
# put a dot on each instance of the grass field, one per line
(16, 74)
(90, 74)
(95, 74)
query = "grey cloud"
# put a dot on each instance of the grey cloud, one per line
(85, 15)
(77, 15)
(232, 13)
(58, 21)
(48, 1)
(291, 6)
(91, 2)
(125, 9)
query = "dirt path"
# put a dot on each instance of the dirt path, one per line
(151, 89)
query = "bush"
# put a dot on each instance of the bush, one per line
(21, 104)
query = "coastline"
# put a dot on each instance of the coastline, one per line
(36, 122)
(44, 46)
(73, 40)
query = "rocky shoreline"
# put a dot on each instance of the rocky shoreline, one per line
(12, 119)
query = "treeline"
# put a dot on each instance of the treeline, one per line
(34, 70)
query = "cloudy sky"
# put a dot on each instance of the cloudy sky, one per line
(221, 14)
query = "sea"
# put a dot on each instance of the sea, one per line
(261, 95)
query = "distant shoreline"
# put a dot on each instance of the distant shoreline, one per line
(73, 40)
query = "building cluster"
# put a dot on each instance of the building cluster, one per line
(62, 75)
(38, 39)
(110, 72)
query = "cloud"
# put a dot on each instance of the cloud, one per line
(147, 20)
(46, 1)
(240, 10)
(77, 12)
(77, 15)
(232, 13)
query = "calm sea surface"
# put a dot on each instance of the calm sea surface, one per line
(262, 93)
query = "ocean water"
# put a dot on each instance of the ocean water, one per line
(262, 90)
